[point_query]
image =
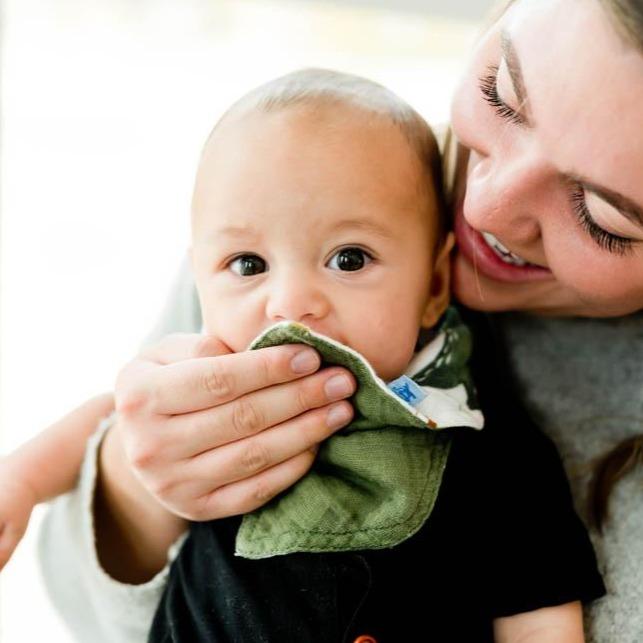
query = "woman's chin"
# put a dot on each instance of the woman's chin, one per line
(476, 290)
(471, 289)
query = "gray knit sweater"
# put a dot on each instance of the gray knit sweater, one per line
(582, 380)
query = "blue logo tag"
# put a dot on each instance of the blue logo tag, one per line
(404, 387)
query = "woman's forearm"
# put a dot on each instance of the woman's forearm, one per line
(133, 531)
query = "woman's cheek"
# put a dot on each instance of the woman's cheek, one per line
(603, 281)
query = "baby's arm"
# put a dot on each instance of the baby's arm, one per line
(45, 467)
(559, 624)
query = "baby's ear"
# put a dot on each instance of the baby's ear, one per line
(440, 293)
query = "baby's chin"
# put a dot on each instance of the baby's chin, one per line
(390, 374)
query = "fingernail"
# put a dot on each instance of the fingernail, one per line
(305, 361)
(338, 386)
(337, 416)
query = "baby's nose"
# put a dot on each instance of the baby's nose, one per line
(298, 300)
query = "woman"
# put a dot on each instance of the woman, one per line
(548, 204)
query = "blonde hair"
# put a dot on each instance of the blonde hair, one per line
(627, 16)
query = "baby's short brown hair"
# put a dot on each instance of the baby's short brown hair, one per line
(323, 86)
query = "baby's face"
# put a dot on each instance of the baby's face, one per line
(316, 215)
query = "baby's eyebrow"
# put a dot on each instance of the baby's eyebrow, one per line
(245, 232)
(363, 224)
(237, 230)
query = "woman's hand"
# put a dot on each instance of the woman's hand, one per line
(212, 433)
(206, 433)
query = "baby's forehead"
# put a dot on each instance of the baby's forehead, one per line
(339, 127)
(313, 118)
(348, 159)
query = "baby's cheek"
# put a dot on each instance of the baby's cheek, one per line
(393, 349)
(230, 330)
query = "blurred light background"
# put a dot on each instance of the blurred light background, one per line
(104, 107)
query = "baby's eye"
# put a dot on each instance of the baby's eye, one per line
(349, 259)
(248, 265)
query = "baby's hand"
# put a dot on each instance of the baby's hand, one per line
(17, 499)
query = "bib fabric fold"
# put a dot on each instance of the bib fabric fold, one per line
(374, 483)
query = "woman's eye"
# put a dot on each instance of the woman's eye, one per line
(611, 242)
(247, 265)
(349, 259)
(489, 87)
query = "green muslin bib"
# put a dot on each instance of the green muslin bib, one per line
(374, 482)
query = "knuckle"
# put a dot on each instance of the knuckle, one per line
(302, 464)
(265, 365)
(246, 419)
(141, 456)
(218, 382)
(261, 493)
(199, 512)
(254, 458)
(161, 487)
(205, 508)
(131, 402)
(303, 400)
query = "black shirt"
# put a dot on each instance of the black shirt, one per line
(503, 538)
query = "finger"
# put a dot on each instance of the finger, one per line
(246, 458)
(249, 494)
(178, 347)
(201, 383)
(208, 429)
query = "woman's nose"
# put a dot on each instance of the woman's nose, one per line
(506, 197)
(297, 298)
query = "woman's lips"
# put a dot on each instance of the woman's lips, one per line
(475, 250)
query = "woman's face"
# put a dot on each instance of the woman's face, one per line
(549, 201)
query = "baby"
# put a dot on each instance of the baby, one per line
(318, 200)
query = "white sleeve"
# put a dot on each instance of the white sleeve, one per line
(94, 606)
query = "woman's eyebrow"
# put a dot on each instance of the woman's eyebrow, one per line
(630, 210)
(513, 65)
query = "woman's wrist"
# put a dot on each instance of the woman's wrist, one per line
(133, 530)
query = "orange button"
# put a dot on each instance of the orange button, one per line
(365, 638)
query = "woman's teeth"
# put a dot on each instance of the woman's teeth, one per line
(506, 255)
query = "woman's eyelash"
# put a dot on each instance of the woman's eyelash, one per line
(610, 242)
(489, 87)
